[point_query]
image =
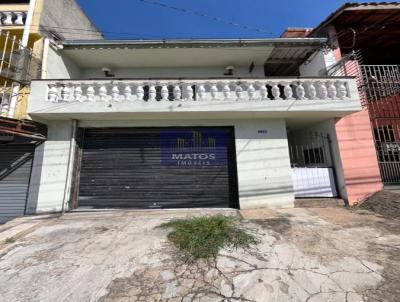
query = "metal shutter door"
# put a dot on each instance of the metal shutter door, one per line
(15, 170)
(129, 167)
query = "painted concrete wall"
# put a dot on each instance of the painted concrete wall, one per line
(358, 155)
(317, 64)
(63, 17)
(184, 72)
(354, 157)
(264, 173)
(59, 66)
(178, 72)
(49, 172)
(327, 127)
(353, 145)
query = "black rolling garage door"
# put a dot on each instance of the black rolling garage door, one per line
(158, 168)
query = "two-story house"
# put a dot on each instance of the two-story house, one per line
(192, 123)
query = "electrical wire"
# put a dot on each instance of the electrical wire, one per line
(204, 15)
(89, 32)
(94, 32)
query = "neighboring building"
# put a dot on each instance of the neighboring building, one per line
(189, 123)
(26, 28)
(365, 37)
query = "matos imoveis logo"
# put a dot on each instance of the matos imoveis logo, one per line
(195, 148)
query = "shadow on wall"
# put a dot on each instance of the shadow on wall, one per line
(282, 190)
(34, 186)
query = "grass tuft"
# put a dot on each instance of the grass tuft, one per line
(204, 237)
(10, 240)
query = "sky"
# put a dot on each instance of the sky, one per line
(236, 19)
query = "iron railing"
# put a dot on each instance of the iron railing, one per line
(349, 65)
(18, 67)
(379, 88)
(380, 81)
(17, 62)
(309, 149)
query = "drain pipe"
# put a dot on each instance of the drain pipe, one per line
(71, 158)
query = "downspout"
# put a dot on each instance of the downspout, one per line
(68, 180)
(24, 43)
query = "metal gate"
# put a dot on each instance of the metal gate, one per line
(379, 88)
(15, 171)
(312, 164)
(158, 168)
(381, 84)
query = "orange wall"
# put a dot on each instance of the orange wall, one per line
(357, 152)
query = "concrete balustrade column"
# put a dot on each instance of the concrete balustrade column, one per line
(164, 93)
(177, 93)
(127, 92)
(90, 93)
(8, 18)
(19, 20)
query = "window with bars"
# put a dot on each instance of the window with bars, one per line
(386, 145)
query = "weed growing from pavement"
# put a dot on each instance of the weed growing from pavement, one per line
(10, 240)
(203, 237)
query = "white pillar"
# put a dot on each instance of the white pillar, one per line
(13, 100)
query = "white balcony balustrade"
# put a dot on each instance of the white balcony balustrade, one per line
(197, 91)
(202, 97)
(12, 18)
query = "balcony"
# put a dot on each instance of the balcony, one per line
(262, 97)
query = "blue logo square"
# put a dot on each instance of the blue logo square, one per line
(194, 147)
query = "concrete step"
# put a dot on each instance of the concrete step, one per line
(392, 188)
(319, 203)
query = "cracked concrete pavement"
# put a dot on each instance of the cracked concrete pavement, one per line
(324, 254)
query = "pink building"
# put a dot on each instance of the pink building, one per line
(364, 37)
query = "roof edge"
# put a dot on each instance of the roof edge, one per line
(192, 42)
(351, 6)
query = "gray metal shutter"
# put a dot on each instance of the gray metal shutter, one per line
(132, 167)
(15, 170)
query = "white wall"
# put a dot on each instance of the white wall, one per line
(317, 65)
(264, 173)
(49, 172)
(184, 72)
(60, 66)
(328, 127)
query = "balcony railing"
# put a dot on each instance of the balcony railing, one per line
(266, 96)
(198, 90)
(14, 18)
(380, 81)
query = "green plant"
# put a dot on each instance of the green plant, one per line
(10, 240)
(203, 237)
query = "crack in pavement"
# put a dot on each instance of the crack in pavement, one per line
(306, 257)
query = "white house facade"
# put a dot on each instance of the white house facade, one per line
(172, 124)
